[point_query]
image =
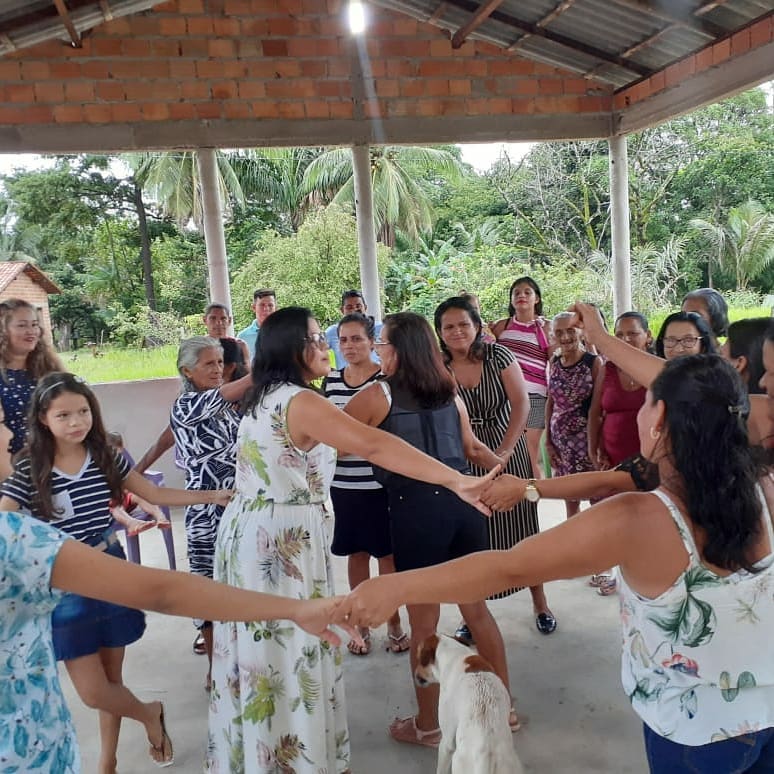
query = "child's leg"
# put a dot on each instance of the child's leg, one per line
(133, 526)
(97, 679)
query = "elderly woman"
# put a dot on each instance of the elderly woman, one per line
(204, 422)
(25, 356)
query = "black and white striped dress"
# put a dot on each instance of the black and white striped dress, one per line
(490, 410)
(362, 521)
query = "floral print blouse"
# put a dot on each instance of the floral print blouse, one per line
(36, 732)
(697, 662)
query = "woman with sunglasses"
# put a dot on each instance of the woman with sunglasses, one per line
(277, 693)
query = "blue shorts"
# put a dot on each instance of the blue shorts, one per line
(752, 753)
(81, 626)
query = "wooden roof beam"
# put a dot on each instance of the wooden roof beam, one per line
(61, 9)
(687, 20)
(476, 20)
(547, 19)
(107, 11)
(532, 29)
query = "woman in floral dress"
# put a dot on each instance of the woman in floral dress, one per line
(572, 374)
(277, 701)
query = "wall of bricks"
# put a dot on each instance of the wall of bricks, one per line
(288, 59)
(756, 35)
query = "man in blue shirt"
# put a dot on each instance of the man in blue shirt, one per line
(264, 303)
(352, 302)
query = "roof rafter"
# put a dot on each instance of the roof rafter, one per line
(547, 19)
(688, 21)
(532, 29)
(61, 9)
(476, 20)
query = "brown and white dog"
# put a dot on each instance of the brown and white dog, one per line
(473, 709)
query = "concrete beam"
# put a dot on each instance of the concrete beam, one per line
(711, 85)
(172, 135)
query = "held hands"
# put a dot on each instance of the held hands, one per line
(504, 492)
(589, 318)
(221, 496)
(370, 604)
(470, 488)
(317, 615)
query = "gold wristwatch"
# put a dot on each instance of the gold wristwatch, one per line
(531, 491)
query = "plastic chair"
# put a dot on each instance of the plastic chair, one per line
(133, 541)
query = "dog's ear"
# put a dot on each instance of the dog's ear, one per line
(427, 649)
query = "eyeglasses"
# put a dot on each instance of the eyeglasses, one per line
(318, 340)
(380, 343)
(686, 342)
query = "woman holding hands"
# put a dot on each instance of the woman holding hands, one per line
(692, 554)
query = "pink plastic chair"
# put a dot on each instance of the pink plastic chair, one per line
(133, 541)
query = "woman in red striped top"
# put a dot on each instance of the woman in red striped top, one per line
(526, 333)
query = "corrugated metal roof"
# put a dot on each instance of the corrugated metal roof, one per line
(614, 41)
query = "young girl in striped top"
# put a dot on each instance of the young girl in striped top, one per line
(527, 334)
(67, 475)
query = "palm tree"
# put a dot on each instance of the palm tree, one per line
(399, 177)
(172, 179)
(276, 175)
(745, 245)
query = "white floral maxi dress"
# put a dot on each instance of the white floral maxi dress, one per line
(277, 702)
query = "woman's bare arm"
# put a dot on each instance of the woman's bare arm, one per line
(80, 569)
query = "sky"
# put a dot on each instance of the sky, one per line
(480, 156)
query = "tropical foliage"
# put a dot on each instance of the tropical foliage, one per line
(122, 236)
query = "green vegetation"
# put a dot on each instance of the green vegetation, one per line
(119, 365)
(121, 235)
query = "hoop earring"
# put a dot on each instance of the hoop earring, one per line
(655, 434)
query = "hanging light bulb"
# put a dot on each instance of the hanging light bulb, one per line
(357, 17)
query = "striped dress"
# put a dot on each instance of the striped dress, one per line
(489, 411)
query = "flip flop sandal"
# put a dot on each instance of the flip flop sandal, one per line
(513, 721)
(360, 650)
(199, 647)
(165, 749)
(608, 588)
(398, 643)
(405, 730)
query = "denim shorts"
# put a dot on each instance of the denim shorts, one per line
(752, 753)
(81, 626)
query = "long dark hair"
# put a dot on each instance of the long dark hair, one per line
(706, 406)
(233, 354)
(41, 444)
(421, 371)
(279, 353)
(745, 339)
(705, 334)
(525, 281)
(717, 308)
(459, 302)
(42, 359)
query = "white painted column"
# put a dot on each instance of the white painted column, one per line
(366, 235)
(214, 236)
(619, 221)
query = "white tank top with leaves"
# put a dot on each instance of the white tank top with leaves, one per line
(698, 660)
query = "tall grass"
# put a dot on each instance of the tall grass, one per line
(118, 365)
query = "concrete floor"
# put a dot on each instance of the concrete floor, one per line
(567, 688)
